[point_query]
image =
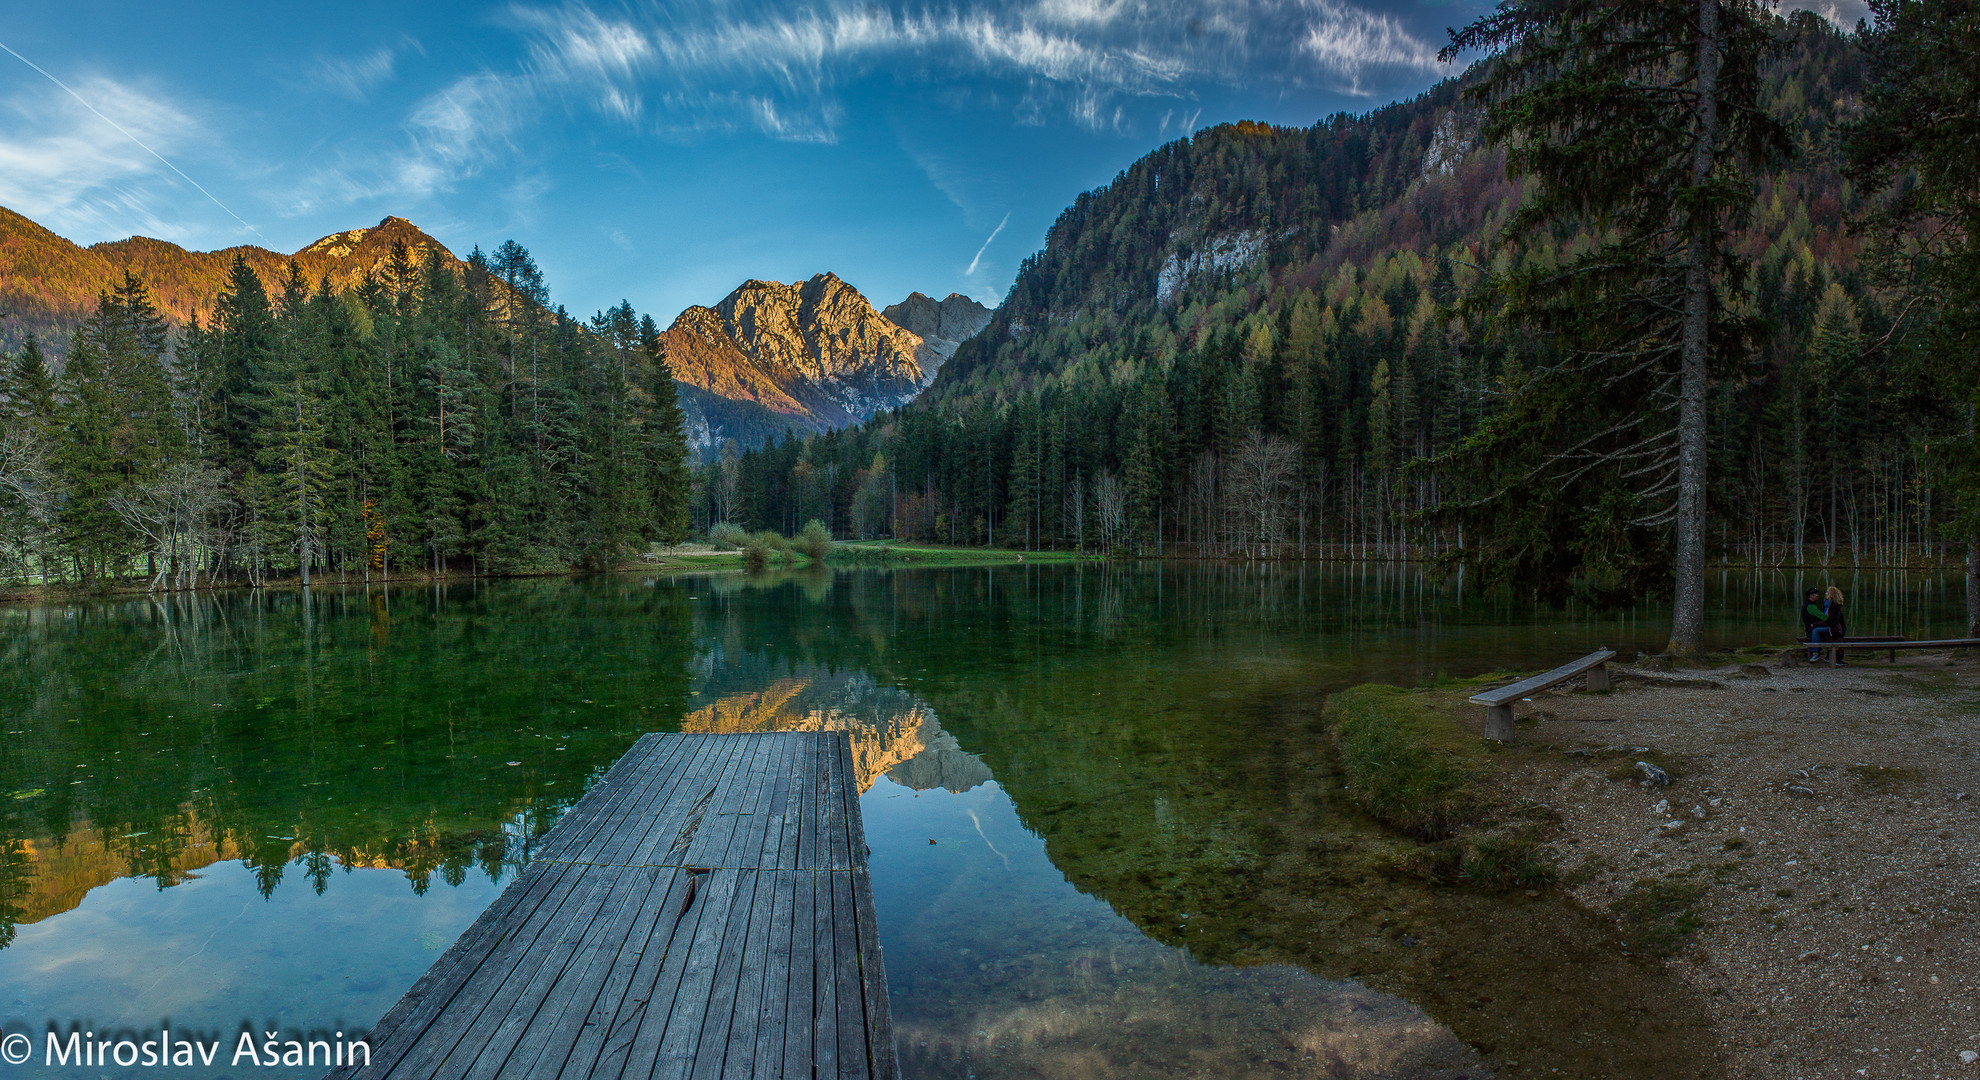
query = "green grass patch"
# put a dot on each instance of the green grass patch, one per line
(1488, 679)
(1415, 768)
(1659, 914)
(893, 553)
(1405, 763)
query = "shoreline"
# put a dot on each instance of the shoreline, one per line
(60, 594)
(847, 554)
(850, 555)
(1813, 869)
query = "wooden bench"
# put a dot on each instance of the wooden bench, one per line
(1866, 644)
(1498, 703)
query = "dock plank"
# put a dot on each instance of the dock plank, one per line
(703, 912)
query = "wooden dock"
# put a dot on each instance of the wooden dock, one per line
(704, 911)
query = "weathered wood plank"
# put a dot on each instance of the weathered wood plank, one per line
(881, 1051)
(733, 808)
(785, 806)
(768, 1061)
(752, 966)
(695, 999)
(703, 912)
(410, 1016)
(798, 1051)
(606, 827)
(497, 1033)
(1871, 645)
(630, 1010)
(847, 989)
(430, 1051)
(1514, 691)
(628, 780)
(824, 981)
(807, 808)
(703, 1054)
(662, 837)
(578, 1031)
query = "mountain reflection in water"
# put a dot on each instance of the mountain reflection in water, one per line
(998, 966)
(277, 807)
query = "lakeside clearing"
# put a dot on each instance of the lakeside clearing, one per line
(1812, 868)
(687, 558)
(891, 552)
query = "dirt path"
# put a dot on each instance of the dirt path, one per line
(1823, 831)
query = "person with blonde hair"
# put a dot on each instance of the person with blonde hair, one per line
(1838, 627)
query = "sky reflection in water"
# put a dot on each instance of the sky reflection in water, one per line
(404, 751)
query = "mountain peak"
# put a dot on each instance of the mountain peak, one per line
(69, 278)
(942, 325)
(814, 354)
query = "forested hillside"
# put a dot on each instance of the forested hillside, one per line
(48, 285)
(1246, 339)
(433, 415)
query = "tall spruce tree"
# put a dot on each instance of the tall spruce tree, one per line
(245, 327)
(1918, 142)
(670, 484)
(1641, 121)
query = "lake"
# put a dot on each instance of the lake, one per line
(1105, 840)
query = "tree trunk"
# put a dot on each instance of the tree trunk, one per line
(1688, 596)
(1973, 585)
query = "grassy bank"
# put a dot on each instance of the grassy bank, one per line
(1411, 763)
(892, 553)
(664, 561)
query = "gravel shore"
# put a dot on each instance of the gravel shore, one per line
(1813, 866)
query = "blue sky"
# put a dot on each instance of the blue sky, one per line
(663, 152)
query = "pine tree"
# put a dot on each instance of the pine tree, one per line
(90, 467)
(1641, 119)
(1150, 430)
(30, 389)
(1918, 140)
(669, 483)
(292, 439)
(1023, 513)
(245, 327)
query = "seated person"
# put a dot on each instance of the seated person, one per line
(1814, 621)
(1832, 604)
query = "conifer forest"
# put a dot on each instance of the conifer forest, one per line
(1531, 356)
(1628, 296)
(434, 417)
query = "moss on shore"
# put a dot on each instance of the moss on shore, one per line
(1410, 763)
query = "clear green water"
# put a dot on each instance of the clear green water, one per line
(271, 811)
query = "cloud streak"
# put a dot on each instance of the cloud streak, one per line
(734, 63)
(986, 244)
(55, 172)
(786, 71)
(355, 77)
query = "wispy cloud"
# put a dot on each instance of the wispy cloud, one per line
(1843, 13)
(1350, 42)
(738, 63)
(784, 70)
(986, 244)
(84, 158)
(354, 77)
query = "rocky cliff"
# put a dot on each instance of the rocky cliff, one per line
(808, 356)
(942, 325)
(769, 358)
